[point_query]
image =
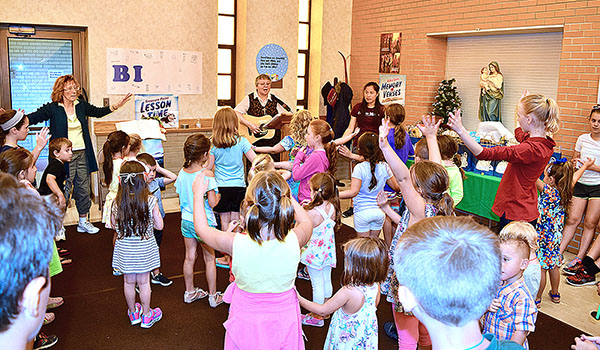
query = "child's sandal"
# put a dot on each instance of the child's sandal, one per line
(538, 302)
(215, 299)
(554, 297)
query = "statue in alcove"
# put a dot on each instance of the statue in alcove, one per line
(491, 83)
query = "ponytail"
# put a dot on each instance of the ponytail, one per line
(331, 151)
(457, 160)
(324, 188)
(545, 110)
(397, 114)
(444, 205)
(116, 142)
(368, 147)
(321, 128)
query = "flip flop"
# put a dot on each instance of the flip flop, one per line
(54, 302)
(63, 252)
(65, 261)
(538, 302)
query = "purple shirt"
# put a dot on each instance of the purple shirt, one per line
(403, 153)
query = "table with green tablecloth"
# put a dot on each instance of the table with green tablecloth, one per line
(479, 194)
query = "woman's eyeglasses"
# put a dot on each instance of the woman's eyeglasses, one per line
(71, 88)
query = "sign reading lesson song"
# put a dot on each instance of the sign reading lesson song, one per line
(153, 71)
(273, 61)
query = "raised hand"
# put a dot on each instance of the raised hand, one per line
(455, 122)
(42, 138)
(382, 198)
(384, 130)
(430, 127)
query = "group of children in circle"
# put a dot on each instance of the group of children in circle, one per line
(264, 222)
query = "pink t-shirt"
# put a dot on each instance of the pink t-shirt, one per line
(305, 167)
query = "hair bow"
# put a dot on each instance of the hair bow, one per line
(560, 161)
(128, 177)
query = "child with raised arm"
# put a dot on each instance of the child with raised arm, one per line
(319, 254)
(264, 311)
(453, 250)
(512, 313)
(14, 127)
(156, 185)
(134, 214)
(195, 150)
(354, 323)
(516, 199)
(425, 191)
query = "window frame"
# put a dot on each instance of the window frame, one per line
(304, 102)
(232, 48)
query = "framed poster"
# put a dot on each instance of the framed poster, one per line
(389, 53)
(163, 108)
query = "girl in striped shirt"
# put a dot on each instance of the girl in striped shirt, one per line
(134, 216)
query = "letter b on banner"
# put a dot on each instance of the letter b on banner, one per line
(121, 73)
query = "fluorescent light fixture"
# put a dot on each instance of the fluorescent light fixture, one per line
(21, 30)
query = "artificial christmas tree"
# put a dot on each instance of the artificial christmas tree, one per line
(446, 101)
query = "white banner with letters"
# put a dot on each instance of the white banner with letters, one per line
(153, 71)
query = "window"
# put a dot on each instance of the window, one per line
(32, 64)
(226, 53)
(303, 54)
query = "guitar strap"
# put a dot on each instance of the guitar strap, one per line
(278, 100)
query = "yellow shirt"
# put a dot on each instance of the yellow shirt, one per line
(267, 268)
(75, 132)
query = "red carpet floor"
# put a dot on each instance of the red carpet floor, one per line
(94, 314)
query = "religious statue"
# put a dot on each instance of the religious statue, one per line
(491, 83)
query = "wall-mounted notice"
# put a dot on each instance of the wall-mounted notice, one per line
(273, 61)
(392, 88)
(163, 108)
(389, 52)
(153, 71)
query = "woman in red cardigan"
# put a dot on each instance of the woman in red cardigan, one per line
(516, 198)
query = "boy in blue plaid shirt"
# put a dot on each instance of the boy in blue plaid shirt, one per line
(512, 314)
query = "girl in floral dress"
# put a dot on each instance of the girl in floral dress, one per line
(554, 199)
(319, 254)
(354, 323)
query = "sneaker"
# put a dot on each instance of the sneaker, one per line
(60, 235)
(303, 275)
(49, 318)
(390, 330)
(54, 302)
(117, 272)
(581, 278)
(155, 316)
(197, 293)
(572, 269)
(135, 317)
(160, 279)
(215, 300)
(87, 227)
(43, 341)
(348, 213)
(309, 320)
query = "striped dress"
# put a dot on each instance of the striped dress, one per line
(136, 254)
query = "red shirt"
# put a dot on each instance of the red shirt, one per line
(369, 121)
(517, 194)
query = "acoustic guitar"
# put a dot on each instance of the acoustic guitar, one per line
(264, 133)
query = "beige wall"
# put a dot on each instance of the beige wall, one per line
(146, 24)
(270, 24)
(337, 31)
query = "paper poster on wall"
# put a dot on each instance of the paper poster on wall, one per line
(163, 108)
(392, 88)
(153, 71)
(389, 53)
(273, 61)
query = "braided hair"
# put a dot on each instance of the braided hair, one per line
(368, 147)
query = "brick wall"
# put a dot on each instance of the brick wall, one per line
(423, 59)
